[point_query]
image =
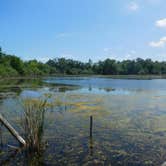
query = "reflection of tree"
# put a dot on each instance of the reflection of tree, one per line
(62, 87)
(90, 88)
(14, 87)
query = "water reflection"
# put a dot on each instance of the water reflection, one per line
(129, 126)
(34, 159)
(105, 82)
(22, 157)
(1, 136)
(91, 146)
(8, 159)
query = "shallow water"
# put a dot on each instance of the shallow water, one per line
(128, 121)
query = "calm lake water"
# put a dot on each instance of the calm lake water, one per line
(129, 121)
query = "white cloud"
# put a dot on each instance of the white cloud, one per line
(160, 43)
(161, 23)
(133, 6)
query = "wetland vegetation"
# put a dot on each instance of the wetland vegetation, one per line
(128, 121)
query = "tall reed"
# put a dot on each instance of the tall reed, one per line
(33, 122)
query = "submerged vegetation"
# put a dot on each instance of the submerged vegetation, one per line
(57, 129)
(11, 65)
(34, 109)
(128, 129)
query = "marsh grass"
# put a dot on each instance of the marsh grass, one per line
(33, 122)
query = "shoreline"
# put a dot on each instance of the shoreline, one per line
(86, 75)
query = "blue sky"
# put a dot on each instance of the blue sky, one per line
(83, 29)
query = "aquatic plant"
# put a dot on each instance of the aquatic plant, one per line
(33, 122)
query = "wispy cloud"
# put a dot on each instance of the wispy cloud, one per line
(154, 1)
(44, 59)
(112, 54)
(161, 43)
(107, 50)
(161, 23)
(130, 55)
(133, 52)
(133, 6)
(67, 55)
(38, 58)
(63, 35)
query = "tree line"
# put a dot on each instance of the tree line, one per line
(11, 65)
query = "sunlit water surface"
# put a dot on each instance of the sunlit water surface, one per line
(129, 121)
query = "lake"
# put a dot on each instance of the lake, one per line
(129, 121)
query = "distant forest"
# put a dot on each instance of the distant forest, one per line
(11, 65)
